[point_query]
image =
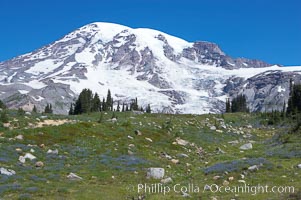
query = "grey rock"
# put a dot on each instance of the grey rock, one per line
(299, 166)
(39, 164)
(246, 146)
(156, 173)
(73, 176)
(19, 137)
(7, 172)
(50, 151)
(253, 168)
(166, 180)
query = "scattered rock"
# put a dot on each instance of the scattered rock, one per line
(231, 178)
(130, 137)
(53, 151)
(219, 131)
(175, 161)
(225, 183)
(165, 155)
(18, 150)
(233, 142)
(73, 176)
(19, 137)
(182, 142)
(148, 139)
(22, 159)
(32, 150)
(182, 155)
(219, 151)
(184, 194)
(213, 128)
(27, 113)
(8, 172)
(299, 166)
(114, 120)
(246, 146)
(253, 168)
(249, 126)
(29, 156)
(166, 180)
(156, 173)
(39, 164)
(42, 145)
(216, 177)
(137, 132)
(131, 145)
(130, 152)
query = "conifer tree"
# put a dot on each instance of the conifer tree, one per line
(84, 102)
(148, 109)
(112, 105)
(71, 110)
(96, 104)
(109, 101)
(48, 109)
(123, 108)
(104, 105)
(118, 107)
(2, 105)
(228, 106)
(34, 109)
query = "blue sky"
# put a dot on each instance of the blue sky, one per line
(269, 30)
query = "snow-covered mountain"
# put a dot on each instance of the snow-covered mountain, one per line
(171, 74)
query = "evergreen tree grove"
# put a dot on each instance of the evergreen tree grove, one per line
(238, 104)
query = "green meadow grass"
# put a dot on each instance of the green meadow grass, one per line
(100, 154)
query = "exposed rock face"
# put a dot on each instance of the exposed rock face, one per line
(175, 76)
(267, 91)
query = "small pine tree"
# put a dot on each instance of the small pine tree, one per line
(148, 109)
(4, 116)
(48, 109)
(96, 104)
(34, 109)
(71, 110)
(21, 112)
(118, 107)
(109, 101)
(123, 108)
(112, 104)
(228, 106)
(2, 105)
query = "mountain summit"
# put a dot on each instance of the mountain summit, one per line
(171, 74)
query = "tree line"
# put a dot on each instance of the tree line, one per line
(88, 102)
(237, 104)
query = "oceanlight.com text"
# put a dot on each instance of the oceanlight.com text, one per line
(159, 188)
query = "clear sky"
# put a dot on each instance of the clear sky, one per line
(269, 30)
